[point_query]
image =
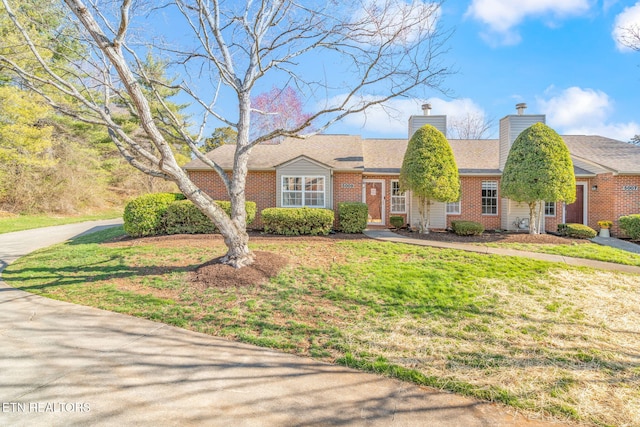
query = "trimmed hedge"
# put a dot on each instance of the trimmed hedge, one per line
(467, 228)
(297, 221)
(353, 216)
(183, 217)
(578, 231)
(397, 221)
(143, 216)
(630, 224)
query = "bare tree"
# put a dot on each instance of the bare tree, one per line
(389, 49)
(630, 37)
(470, 126)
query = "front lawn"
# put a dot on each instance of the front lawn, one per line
(9, 224)
(585, 250)
(543, 337)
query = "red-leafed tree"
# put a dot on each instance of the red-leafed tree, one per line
(277, 109)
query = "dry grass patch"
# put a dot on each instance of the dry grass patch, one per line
(571, 347)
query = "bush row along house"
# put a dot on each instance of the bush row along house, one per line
(325, 170)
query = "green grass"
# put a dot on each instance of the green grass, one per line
(26, 222)
(583, 250)
(538, 336)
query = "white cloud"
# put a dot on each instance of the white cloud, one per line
(628, 18)
(392, 118)
(577, 111)
(502, 16)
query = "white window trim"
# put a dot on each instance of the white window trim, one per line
(303, 191)
(458, 210)
(497, 198)
(404, 196)
(555, 210)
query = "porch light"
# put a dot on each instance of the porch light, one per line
(594, 188)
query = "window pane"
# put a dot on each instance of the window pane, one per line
(489, 197)
(398, 204)
(453, 207)
(303, 191)
(549, 208)
(314, 184)
(395, 189)
(292, 183)
(291, 199)
(314, 199)
(398, 199)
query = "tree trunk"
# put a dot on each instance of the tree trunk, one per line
(424, 209)
(238, 253)
(533, 221)
(233, 231)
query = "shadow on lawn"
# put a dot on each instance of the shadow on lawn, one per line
(54, 277)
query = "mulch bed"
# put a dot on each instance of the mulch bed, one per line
(487, 237)
(213, 274)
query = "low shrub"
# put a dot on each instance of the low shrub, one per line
(630, 224)
(397, 221)
(353, 216)
(250, 208)
(183, 217)
(143, 216)
(297, 221)
(467, 228)
(578, 231)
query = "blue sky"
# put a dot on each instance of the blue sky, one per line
(559, 56)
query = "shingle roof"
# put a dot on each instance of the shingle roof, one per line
(617, 156)
(340, 152)
(473, 157)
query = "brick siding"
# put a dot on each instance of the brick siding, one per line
(347, 187)
(471, 202)
(608, 202)
(611, 200)
(260, 188)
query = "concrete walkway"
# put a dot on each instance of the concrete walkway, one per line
(617, 243)
(65, 365)
(390, 236)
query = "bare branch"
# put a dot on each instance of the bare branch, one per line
(371, 51)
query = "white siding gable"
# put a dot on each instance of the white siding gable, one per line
(303, 166)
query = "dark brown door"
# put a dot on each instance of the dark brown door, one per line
(373, 191)
(574, 213)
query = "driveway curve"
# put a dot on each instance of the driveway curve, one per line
(65, 364)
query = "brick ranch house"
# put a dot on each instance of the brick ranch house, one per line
(325, 170)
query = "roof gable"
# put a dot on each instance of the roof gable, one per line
(302, 158)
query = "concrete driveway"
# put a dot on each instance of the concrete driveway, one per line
(64, 364)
